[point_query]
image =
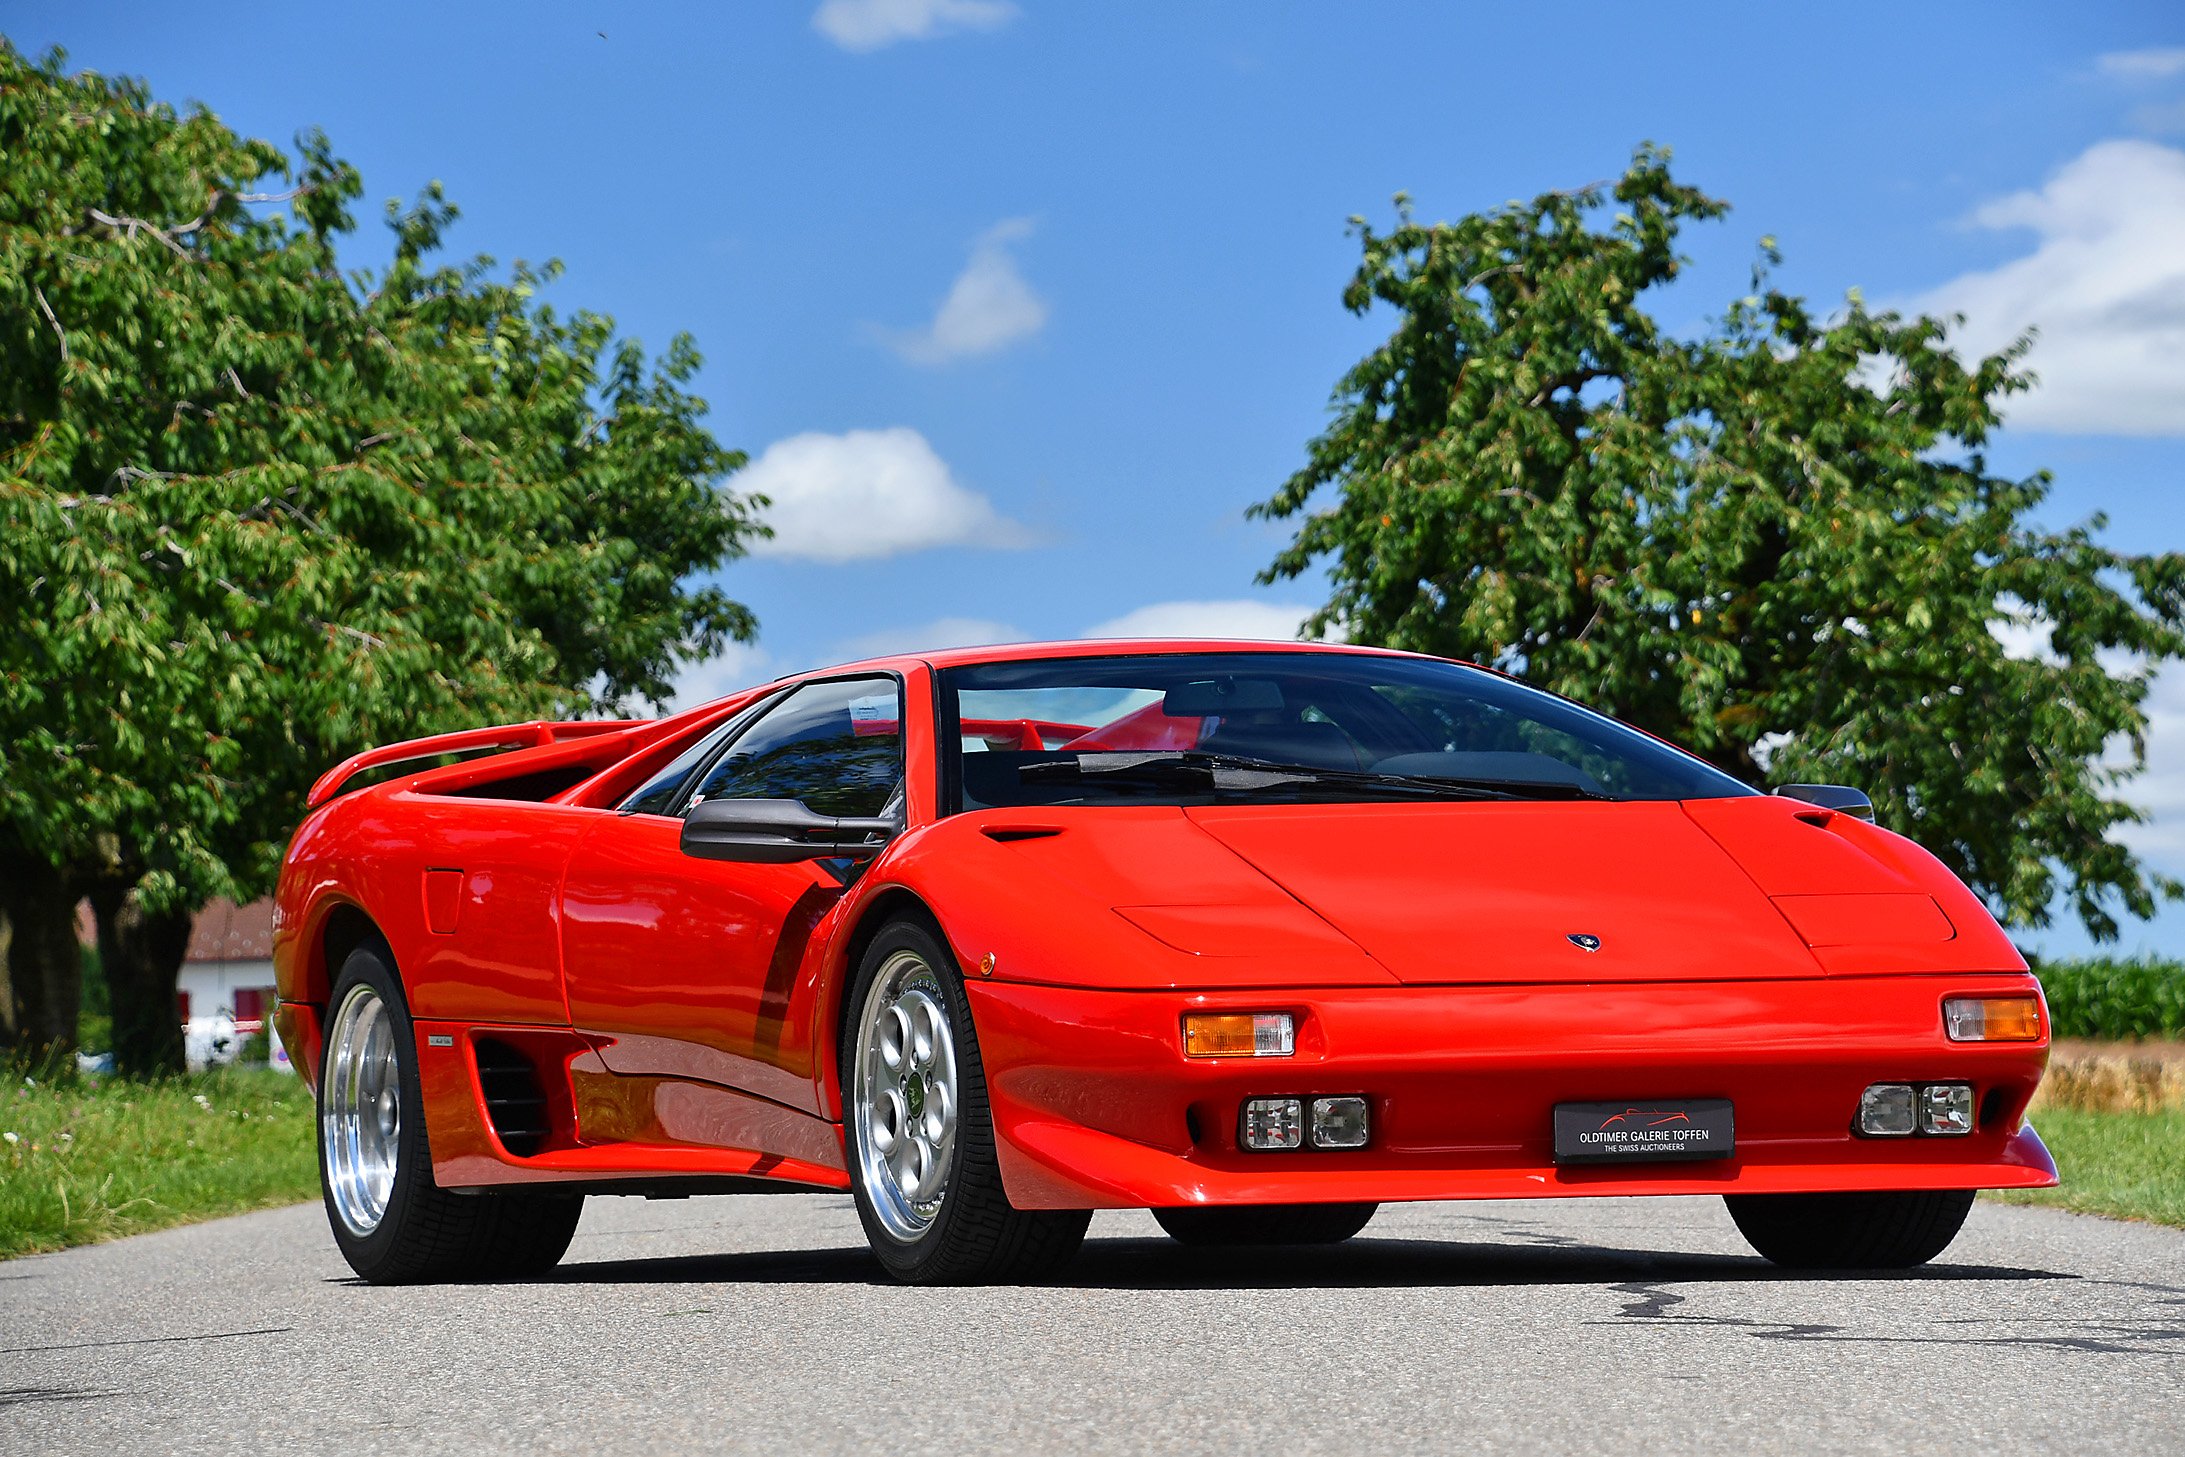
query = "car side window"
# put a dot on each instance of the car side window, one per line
(838, 746)
(663, 793)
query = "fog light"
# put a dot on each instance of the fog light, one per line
(1239, 1034)
(1885, 1111)
(1946, 1108)
(1992, 1019)
(1273, 1123)
(1339, 1123)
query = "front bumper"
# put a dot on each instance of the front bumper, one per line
(1095, 1105)
(298, 1025)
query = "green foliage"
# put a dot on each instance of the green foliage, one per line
(95, 1019)
(2110, 998)
(257, 513)
(1777, 543)
(2124, 1165)
(100, 1158)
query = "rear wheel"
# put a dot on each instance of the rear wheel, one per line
(394, 1225)
(1850, 1231)
(1265, 1224)
(922, 1158)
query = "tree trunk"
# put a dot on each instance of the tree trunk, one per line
(141, 952)
(41, 964)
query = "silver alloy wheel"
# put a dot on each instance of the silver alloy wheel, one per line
(360, 1110)
(903, 1118)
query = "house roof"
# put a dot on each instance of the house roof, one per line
(226, 931)
(223, 931)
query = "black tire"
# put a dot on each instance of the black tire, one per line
(977, 1236)
(1264, 1224)
(1850, 1231)
(427, 1234)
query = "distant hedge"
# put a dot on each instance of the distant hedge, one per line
(2105, 997)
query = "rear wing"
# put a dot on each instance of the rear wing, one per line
(498, 740)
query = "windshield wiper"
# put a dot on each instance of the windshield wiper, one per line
(1197, 769)
(1513, 788)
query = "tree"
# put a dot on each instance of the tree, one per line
(257, 513)
(1777, 543)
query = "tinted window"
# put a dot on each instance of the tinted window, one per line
(837, 746)
(1351, 716)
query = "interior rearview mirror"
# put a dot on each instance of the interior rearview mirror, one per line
(778, 832)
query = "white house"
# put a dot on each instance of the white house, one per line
(225, 991)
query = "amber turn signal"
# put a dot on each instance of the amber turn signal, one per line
(1239, 1034)
(1992, 1019)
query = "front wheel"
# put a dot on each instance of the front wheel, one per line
(396, 1226)
(922, 1159)
(1850, 1231)
(1265, 1224)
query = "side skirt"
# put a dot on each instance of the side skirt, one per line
(602, 1129)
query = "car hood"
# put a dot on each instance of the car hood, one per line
(1580, 892)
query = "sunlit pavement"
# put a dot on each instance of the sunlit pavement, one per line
(761, 1324)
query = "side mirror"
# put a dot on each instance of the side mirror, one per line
(1840, 798)
(778, 832)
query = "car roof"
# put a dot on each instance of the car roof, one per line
(1018, 652)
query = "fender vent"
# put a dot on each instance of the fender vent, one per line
(515, 1103)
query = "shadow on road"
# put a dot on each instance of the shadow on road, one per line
(1362, 1263)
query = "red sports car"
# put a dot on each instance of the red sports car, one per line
(1253, 936)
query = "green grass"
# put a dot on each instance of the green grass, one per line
(2125, 1165)
(96, 1159)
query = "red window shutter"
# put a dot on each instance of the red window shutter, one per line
(250, 1008)
(182, 1006)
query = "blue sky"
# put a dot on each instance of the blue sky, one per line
(1064, 278)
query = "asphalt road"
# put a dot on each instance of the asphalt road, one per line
(761, 1324)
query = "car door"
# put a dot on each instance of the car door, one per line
(688, 967)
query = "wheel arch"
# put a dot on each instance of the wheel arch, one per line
(346, 927)
(890, 903)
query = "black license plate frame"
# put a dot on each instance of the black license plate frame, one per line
(1645, 1131)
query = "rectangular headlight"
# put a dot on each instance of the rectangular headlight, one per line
(1946, 1108)
(1339, 1123)
(1992, 1019)
(1886, 1111)
(1272, 1124)
(1239, 1034)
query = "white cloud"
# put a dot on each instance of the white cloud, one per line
(1238, 618)
(2105, 285)
(738, 665)
(2147, 65)
(2025, 636)
(2160, 790)
(988, 307)
(868, 25)
(866, 494)
(944, 632)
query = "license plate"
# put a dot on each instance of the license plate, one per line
(1644, 1131)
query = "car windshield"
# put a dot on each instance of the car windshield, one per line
(1286, 727)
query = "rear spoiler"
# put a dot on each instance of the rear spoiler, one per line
(493, 740)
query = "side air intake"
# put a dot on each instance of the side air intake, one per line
(515, 1103)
